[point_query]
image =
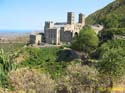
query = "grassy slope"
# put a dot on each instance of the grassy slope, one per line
(48, 60)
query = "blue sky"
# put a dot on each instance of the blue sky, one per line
(31, 14)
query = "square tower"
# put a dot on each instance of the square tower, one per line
(48, 24)
(82, 19)
(70, 18)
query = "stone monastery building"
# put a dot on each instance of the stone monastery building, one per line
(63, 32)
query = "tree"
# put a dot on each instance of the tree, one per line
(112, 65)
(113, 62)
(105, 47)
(121, 1)
(122, 22)
(111, 20)
(86, 41)
(108, 34)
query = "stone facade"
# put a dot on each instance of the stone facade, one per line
(52, 36)
(57, 33)
(122, 37)
(35, 39)
(62, 32)
(97, 28)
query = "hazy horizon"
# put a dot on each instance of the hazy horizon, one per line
(31, 14)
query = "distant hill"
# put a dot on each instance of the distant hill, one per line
(111, 16)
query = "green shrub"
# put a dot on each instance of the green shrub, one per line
(45, 59)
(5, 67)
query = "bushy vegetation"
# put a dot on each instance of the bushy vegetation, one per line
(110, 44)
(31, 81)
(89, 65)
(48, 60)
(110, 57)
(109, 34)
(56, 70)
(112, 62)
(113, 15)
(78, 79)
(111, 51)
(86, 41)
(5, 67)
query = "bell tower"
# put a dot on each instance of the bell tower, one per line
(70, 18)
(82, 19)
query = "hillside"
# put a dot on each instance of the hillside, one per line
(113, 15)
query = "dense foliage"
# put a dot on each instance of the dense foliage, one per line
(110, 16)
(112, 63)
(111, 44)
(86, 41)
(110, 33)
(48, 60)
(65, 73)
(61, 70)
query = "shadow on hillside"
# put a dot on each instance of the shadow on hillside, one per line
(67, 55)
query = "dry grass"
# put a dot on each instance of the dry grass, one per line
(79, 79)
(21, 57)
(31, 80)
